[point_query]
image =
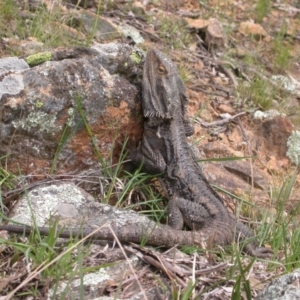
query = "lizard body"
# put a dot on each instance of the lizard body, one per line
(164, 149)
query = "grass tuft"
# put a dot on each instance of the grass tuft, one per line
(258, 93)
(44, 255)
(262, 8)
(172, 30)
(51, 26)
(281, 51)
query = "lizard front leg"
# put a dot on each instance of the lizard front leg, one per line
(149, 155)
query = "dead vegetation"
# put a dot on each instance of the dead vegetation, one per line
(241, 71)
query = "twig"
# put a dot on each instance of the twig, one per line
(188, 14)
(229, 74)
(199, 89)
(219, 122)
(211, 269)
(249, 152)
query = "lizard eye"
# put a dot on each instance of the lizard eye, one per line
(161, 70)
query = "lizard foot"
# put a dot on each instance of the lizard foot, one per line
(261, 252)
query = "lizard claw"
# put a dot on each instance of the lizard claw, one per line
(134, 152)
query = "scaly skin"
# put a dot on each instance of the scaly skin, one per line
(164, 149)
(153, 234)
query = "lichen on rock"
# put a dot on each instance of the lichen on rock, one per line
(40, 120)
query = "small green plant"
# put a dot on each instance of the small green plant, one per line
(281, 51)
(188, 292)
(242, 284)
(51, 26)
(77, 119)
(258, 93)
(172, 30)
(7, 179)
(68, 132)
(261, 9)
(285, 236)
(8, 12)
(128, 187)
(185, 72)
(43, 255)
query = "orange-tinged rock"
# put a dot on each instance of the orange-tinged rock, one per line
(46, 104)
(224, 108)
(275, 133)
(198, 23)
(215, 34)
(249, 28)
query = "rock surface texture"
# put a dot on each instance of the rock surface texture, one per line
(286, 287)
(46, 105)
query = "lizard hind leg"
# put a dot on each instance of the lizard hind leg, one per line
(182, 211)
(175, 217)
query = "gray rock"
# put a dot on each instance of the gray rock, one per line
(286, 287)
(73, 206)
(12, 64)
(269, 114)
(44, 107)
(101, 28)
(70, 205)
(130, 31)
(12, 83)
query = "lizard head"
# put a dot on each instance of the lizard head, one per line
(163, 89)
